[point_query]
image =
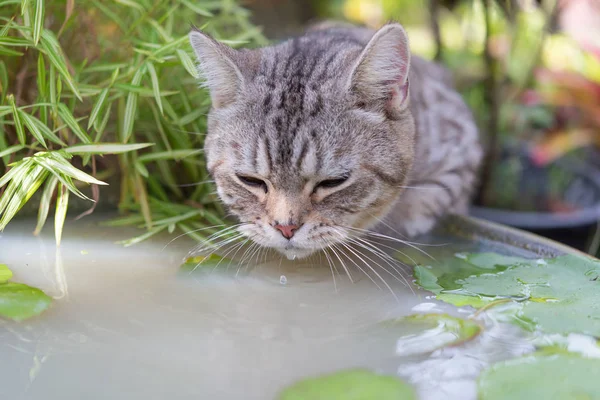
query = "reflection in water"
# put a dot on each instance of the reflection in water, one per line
(126, 324)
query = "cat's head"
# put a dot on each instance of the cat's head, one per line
(309, 141)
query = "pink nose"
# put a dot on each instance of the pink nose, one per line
(287, 230)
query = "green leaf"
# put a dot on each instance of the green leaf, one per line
(67, 117)
(12, 149)
(33, 129)
(38, 21)
(559, 295)
(45, 204)
(355, 384)
(62, 204)
(16, 118)
(19, 192)
(131, 108)
(106, 148)
(3, 81)
(39, 130)
(5, 273)
(440, 330)
(51, 47)
(168, 155)
(97, 107)
(57, 163)
(195, 8)
(540, 376)
(20, 302)
(155, 86)
(187, 63)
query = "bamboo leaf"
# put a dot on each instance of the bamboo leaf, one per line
(131, 108)
(187, 63)
(106, 148)
(142, 197)
(17, 120)
(67, 117)
(51, 47)
(3, 81)
(45, 204)
(43, 129)
(33, 129)
(10, 150)
(24, 5)
(15, 171)
(155, 86)
(145, 236)
(38, 21)
(132, 4)
(169, 155)
(41, 77)
(196, 9)
(62, 203)
(97, 107)
(58, 163)
(27, 186)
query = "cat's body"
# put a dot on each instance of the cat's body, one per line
(315, 139)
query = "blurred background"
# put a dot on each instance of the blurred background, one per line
(123, 72)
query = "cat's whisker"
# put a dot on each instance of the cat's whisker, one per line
(195, 183)
(331, 267)
(244, 256)
(333, 249)
(218, 246)
(374, 271)
(388, 260)
(377, 244)
(392, 239)
(357, 266)
(190, 232)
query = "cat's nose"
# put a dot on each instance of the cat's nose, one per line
(287, 230)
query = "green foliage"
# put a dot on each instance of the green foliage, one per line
(541, 376)
(83, 81)
(19, 301)
(558, 295)
(354, 384)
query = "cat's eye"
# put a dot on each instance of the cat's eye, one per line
(331, 183)
(253, 182)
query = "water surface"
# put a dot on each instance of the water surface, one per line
(128, 324)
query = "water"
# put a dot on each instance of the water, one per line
(128, 324)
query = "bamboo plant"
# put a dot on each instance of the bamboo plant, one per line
(98, 91)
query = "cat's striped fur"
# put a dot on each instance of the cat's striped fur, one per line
(333, 132)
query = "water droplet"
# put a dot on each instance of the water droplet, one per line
(282, 279)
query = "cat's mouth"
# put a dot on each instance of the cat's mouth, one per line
(292, 252)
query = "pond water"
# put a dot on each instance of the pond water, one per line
(127, 323)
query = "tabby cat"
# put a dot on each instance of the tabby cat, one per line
(318, 139)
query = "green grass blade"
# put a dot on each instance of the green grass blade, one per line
(67, 117)
(51, 47)
(141, 238)
(45, 204)
(62, 204)
(38, 21)
(3, 81)
(17, 120)
(155, 85)
(41, 77)
(58, 163)
(106, 148)
(13, 173)
(195, 8)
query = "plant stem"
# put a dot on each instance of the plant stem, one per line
(492, 103)
(434, 15)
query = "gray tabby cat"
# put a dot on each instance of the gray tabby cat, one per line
(315, 140)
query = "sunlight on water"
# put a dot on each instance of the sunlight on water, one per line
(127, 324)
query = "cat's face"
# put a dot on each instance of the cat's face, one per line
(304, 161)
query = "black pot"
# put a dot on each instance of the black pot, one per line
(573, 228)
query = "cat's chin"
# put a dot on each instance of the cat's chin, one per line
(295, 253)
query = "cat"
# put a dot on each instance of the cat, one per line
(331, 135)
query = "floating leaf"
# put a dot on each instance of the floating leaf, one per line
(19, 301)
(560, 295)
(539, 376)
(440, 330)
(356, 384)
(5, 273)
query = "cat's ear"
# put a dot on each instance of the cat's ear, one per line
(218, 64)
(380, 75)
